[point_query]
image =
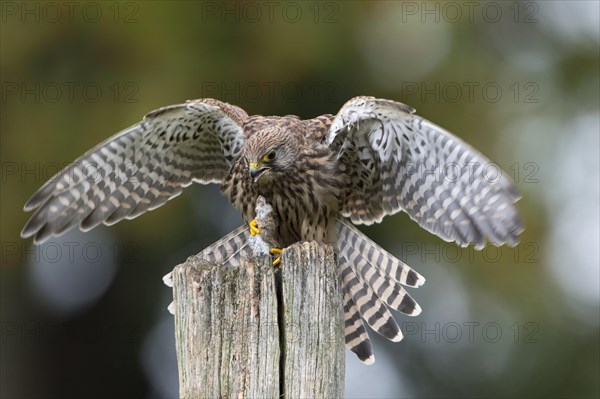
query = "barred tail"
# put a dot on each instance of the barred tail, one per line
(228, 251)
(372, 278)
(357, 338)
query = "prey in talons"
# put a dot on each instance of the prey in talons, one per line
(263, 229)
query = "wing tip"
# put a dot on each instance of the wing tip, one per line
(25, 232)
(30, 205)
(43, 194)
(35, 230)
(511, 238)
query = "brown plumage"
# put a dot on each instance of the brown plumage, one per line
(374, 158)
(302, 182)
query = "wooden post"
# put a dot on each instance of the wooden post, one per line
(256, 332)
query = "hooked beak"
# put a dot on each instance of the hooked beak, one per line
(256, 170)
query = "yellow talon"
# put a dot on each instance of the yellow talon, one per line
(276, 251)
(254, 230)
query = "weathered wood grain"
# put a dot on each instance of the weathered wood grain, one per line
(256, 332)
(313, 321)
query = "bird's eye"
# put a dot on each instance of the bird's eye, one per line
(269, 156)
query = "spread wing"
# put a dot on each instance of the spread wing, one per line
(140, 168)
(400, 161)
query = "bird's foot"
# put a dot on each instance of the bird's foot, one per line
(254, 230)
(276, 251)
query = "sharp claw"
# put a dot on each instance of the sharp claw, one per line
(254, 230)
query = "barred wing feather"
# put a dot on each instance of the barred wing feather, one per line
(140, 168)
(400, 161)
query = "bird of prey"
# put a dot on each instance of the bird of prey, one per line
(376, 157)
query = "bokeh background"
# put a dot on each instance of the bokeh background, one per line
(85, 314)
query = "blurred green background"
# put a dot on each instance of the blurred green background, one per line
(85, 314)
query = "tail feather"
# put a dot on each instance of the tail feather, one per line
(229, 250)
(371, 277)
(391, 292)
(367, 258)
(386, 263)
(357, 338)
(372, 309)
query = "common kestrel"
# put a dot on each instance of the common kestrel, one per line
(374, 158)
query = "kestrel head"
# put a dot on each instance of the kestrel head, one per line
(270, 153)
